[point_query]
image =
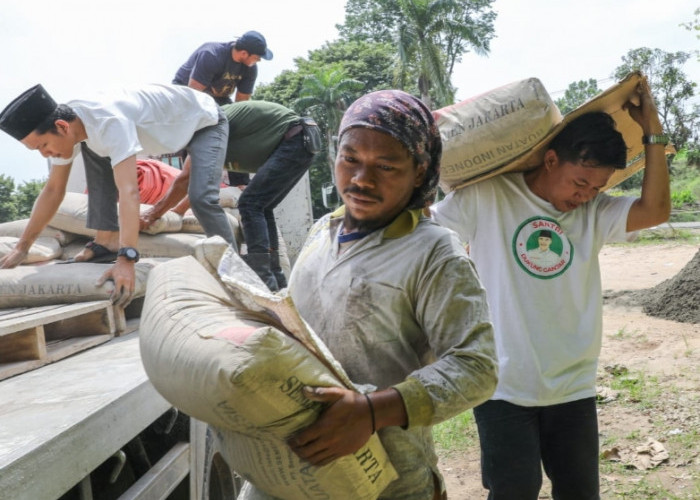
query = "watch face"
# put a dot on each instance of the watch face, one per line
(129, 253)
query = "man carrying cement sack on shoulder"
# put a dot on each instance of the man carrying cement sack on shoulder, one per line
(548, 312)
(395, 298)
(110, 132)
(277, 145)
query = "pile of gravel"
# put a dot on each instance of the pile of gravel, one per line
(676, 299)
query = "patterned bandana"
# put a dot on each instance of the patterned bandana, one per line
(406, 119)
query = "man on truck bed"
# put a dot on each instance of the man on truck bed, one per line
(394, 297)
(548, 312)
(220, 69)
(110, 132)
(271, 141)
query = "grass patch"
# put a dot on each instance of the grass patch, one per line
(638, 388)
(456, 434)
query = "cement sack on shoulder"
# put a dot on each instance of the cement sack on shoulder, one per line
(238, 369)
(16, 228)
(487, 131)
(42, 250)
(31, 286)
(71, 216)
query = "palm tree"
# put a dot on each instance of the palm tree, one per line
(433, 34)
(325, 94)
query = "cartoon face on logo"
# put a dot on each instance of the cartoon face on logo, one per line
(541, 248)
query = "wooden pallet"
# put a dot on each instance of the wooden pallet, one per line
(34, 336)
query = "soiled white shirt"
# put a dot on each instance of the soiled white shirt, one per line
(402, 307)
(547, 315)
(152, 120)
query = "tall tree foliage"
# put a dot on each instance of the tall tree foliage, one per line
(17, 201)
(431, 36)
(326, 94)
(576, 94)
(670, 86)
(8, 207)
(25, 196)
(367, 62)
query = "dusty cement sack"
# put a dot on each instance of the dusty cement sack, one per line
(228, 196)
(16, 228)
(190, 224)
(164, 245)
(169, 222)
(209, 252)
(42, 250)
(71, 216)
(170, 245)
(225, 359)
(31, 286)
(613, 101)
(487, 131)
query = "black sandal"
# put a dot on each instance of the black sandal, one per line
(100, 255)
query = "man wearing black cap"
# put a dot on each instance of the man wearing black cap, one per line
(220, 68)
(109, 132)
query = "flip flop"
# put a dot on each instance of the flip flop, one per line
(100, 254)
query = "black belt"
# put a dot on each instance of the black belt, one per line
(293, 130)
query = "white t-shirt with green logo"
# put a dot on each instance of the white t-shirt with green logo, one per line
(542, 277)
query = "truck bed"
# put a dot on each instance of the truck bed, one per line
(58, 422)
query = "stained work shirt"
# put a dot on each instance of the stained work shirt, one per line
(402, 307)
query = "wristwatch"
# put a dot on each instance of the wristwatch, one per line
(655, 139)
(129, 253)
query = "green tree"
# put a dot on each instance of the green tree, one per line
(576, 94)
(670, 87)
(25, 196)
(431, 37)
(367, 62)
(325, 95)
(8, 207)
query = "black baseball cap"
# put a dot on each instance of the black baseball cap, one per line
(26, 112)
(255, 43)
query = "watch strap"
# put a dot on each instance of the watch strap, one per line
(129, 253)
(655, 139)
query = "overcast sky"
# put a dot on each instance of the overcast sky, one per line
(74, 47)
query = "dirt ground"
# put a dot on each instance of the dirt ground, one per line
(650, 424)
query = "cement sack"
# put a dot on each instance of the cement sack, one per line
(190, 224)
(171, 245)
(209, 252)
(42, 250)
(169, 222)
(16, 228)
(223, 358)
(31, 286)
(484, 132)
(71, 216)
(228, 196)
(165, 245)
